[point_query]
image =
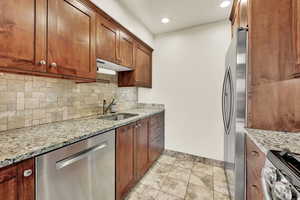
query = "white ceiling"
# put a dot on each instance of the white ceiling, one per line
(183, 13)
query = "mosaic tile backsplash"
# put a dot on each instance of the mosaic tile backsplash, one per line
(30, 100)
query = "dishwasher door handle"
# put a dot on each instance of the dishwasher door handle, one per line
(79, 156)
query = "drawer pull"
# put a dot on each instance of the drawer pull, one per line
(254, 187)
(254, 153)
(27, 173)
(43, 62)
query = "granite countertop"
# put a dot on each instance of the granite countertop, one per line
(21, 144)
(273, 140)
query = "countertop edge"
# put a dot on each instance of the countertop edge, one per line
(46, 149)
(259, 145)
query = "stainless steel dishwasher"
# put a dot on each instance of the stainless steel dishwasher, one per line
(81, 171)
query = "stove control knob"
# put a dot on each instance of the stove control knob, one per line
(270, 174)
(282, 191)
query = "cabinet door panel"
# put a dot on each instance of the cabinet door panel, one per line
(107, 40)
(255, 162)
(156, 137)
(143, 67)
(141, 148)
(71, 32)
(125, 172)
(22, 34)
(9, 184)
(26, 184)
(126, 50)
(296, 34)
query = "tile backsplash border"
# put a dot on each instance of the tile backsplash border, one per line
(31, 100)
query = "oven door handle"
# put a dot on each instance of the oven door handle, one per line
(266, 192)
(79, 156)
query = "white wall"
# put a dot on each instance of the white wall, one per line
(123, 16)
(188, 69)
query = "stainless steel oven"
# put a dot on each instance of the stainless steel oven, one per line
(84, 170)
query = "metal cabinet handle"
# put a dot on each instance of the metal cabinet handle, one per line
(27, 173)
(254, 153)
(53, 64)
(42, 62)
(79, 156)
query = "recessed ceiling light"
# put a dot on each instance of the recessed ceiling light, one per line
(165, 20)
(225, 4)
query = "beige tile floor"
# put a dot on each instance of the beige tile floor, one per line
(178, 178)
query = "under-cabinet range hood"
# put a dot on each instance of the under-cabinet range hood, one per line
(107, 67)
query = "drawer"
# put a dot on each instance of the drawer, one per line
(254, 156)
(255, 160)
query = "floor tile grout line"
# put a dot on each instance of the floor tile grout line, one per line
(188, 184)
(213, 182)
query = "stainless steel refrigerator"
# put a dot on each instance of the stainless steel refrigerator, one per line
(234, 114)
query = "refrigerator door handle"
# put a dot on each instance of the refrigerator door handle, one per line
(225, 109)
(231, 100)
(224, 94)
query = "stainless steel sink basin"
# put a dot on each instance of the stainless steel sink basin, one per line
(117, 117)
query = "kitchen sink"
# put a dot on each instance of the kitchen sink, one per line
(117, 117)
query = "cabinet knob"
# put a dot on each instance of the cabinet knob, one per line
(27, 173)
(254, 153)
(53, 64)
(43, 62)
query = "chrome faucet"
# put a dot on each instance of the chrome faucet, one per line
(106, 108)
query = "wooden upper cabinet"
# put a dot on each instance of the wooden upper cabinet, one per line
(143, 66)
(126, 50)
(71, 38)
(107, 40)
(22, 34)
(296, 35)
(239, 15)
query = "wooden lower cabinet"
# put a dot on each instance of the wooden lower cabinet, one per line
(125, 172)
(156, 137)
(141, 148)
(17, 181)
(255, 160)
(136, 152)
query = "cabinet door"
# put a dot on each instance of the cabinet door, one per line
(255, 162)
(17, 182)
(126, 50)
(9, 184)
(125, 172)
(156, 137)
(143, 66)
(26, 180)
(296, 35)
(141, 148)
(22, 35)
(107, 40)
(71, 38)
